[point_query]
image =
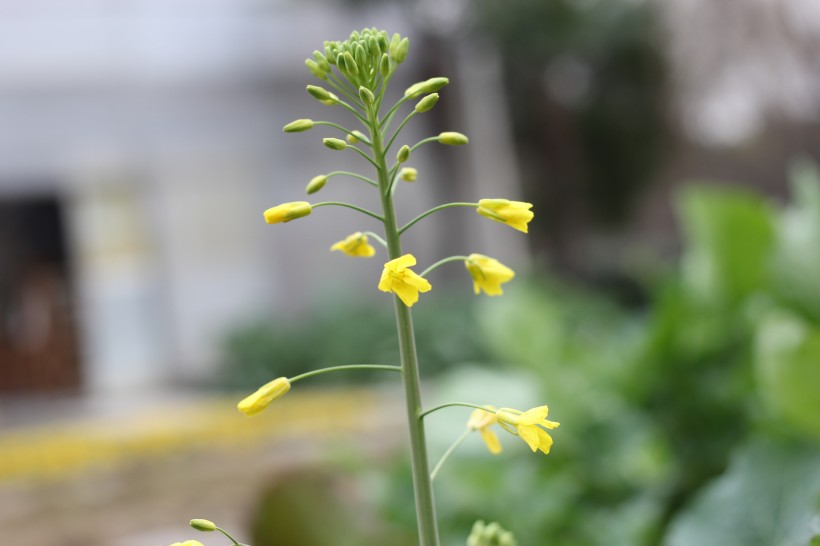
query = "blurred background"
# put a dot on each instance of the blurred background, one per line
(667, 303)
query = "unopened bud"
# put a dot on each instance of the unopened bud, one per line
(315, 69)
(316, 183)
(360, 56)
(355, 137)
(384, 66)
(320, 93)
(427, 103)
(408, 174)
(350, 64)
(334, 143)
(453, 139)
(203, 525)
(404, 154)
(321, 61)
(298, 126)
(428, 86)
(400, 51)
(366, 95)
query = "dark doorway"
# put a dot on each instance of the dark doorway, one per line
(38, 345)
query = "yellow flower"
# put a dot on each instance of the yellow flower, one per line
(406, 284)
(287, 212)
(488, 274)
(355, 245)
(258, 401)
(481, 421)
(188, 543)
(513, 213)
(529, 425)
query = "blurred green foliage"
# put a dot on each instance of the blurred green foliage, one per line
(695, 421)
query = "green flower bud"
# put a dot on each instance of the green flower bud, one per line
(298, 126)
(384, 42)
(360, 56)
(401, 50)
(366, 95)
(427, 103)
(334, 143)
(408, 174)
(355, 137)
(453, 139)
(394, 44)
(203, 525)
(315, 69)
(404, 154)
(350, 64)
(316, 183)
(320, 93)
(321, 60)
(384, 66)
(428, 86)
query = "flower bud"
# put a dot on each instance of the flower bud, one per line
(321, 61)
(287, 211)
(350, 64)
(203, 525)
(334, 143)
(408, 174)
(261, 399)
(453, 139)
(360, 56)
(366, 95)
(394, 44)
(427, 103)
(384, 66)
(298, 126)
(399, 53)
(404, 154)
(355, 137)
(315, 69)
(316, 183)
(427, 86)
(320, 93)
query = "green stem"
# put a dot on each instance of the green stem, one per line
(221, 530)
(364, 155)
(386, 121)
(449, 452)
(349, 206)
(423, 215)
(346, 93)
(422, 486)
(375, 236)
(354, 175)
(401, 126)
(343, 368)
(425, 413)
(339, 127)
(442, 262)
(425, 141)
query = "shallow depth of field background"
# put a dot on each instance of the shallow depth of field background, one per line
(666, 304)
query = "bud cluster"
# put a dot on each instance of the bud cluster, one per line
(361, 59)
(490, 535)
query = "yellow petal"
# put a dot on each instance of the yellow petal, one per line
(544, 441)
(533, 416)
(258, 401)
(491, 440)
(529, 433)
(482, 419)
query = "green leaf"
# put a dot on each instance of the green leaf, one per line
(767, 497)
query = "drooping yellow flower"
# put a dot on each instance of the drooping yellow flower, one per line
(403, 282)
(481, 421)
(529, 425)
(188, 543)
(287, 212)
(355, 245)
(488, 274)
(515, 214)
(258, 401)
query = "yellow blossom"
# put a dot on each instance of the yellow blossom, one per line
(188, 543)
(529, 425)
(488, 274)
(258, 401)
(513, 213)
(287, 212)
(481, 421)
(403, 282)
(355, 245)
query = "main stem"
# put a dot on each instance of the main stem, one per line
(425, 507)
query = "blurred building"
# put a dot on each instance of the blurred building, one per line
(140, 142)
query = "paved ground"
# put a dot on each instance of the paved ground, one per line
(90, 473)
